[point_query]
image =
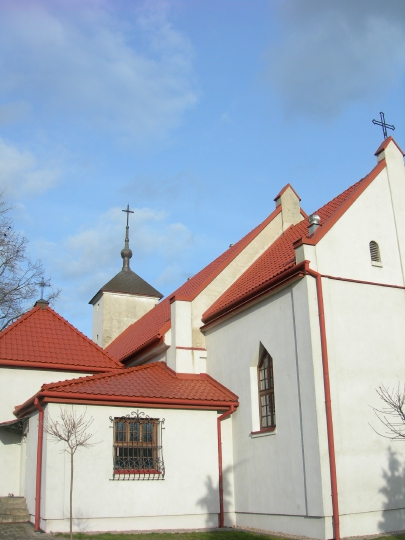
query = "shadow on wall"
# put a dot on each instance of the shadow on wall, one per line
(393, 518)
(210, 501)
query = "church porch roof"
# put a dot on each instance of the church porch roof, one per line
(149, 385)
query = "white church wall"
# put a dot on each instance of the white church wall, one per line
(30, 469)
(187, 497)
(18, 385)
(10, 458)
(365, 328)
(278, 475)
(345, 252)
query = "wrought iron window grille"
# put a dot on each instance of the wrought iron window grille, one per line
(137, 448)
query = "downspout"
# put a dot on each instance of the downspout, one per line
(328, 404)
(220, 482)
(39, 464)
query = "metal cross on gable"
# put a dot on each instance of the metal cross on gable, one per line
(43, 284)
(384, 125)
(128, 211)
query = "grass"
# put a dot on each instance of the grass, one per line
(213, 535)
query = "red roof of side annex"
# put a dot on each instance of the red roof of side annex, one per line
(41, 338)
(151, 385)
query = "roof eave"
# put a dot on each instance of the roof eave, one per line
(122, 401)
(56, 367)
(281, 280)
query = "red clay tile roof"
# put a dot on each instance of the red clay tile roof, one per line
(42, 338)
(280, 256)
(156, 322)
(150, 383)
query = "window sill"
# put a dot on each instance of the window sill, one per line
(263, 432)
(376, 263)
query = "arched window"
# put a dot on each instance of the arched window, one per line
(375, 252)
(265, 378)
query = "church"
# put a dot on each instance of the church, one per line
(245, 398)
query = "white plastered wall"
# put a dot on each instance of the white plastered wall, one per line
(16, 386)
(278, 477)
(365, 327)
(187, 497)
(114, 312)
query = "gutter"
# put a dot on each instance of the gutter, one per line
(39, 464)
(220, 481)
(284, 278)
(68, 397)
(328, 404)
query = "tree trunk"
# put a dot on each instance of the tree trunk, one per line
(71, 496)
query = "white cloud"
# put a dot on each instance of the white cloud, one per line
(131, 76)
(332, 53)
(21, 175)
(96, 250)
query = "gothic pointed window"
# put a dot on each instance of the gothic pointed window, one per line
(267, 407)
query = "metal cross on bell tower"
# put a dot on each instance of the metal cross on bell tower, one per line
(383, 124)
(126, 253)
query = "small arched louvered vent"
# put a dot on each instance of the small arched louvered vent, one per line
(375, 252)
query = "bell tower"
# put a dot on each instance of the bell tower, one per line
(121, 301)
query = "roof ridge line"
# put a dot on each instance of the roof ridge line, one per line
(20, 319)
(90, 341)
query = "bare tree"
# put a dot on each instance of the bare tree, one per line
(72, 429)
(392, 413)
(19, 276)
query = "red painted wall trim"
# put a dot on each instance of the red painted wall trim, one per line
(56, 367)
(39, 464)
(328, 404)
(374, 283)
(220, 475)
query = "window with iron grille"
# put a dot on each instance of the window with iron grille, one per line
(267, 405)
(137, 450)
(374, 252)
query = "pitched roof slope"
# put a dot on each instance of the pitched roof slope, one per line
(127, 282)
(157, 321)
(42, 338)
(148, 382)
(280, 256)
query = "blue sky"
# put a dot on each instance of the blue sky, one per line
(196, 113)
